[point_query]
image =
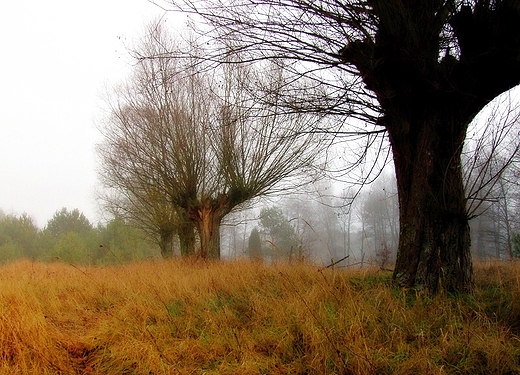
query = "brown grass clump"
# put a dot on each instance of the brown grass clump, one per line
(191, 317)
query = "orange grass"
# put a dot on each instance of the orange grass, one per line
(191, 317)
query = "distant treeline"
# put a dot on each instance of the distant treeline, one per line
(71, 238)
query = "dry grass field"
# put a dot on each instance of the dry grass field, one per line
(185, 317)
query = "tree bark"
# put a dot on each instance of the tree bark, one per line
(434, 240)
(208, 218)
(166, 243)
(186, 232)
(209, 232)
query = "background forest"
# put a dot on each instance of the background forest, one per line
(315, 226)
(71, 238)
(192, 159)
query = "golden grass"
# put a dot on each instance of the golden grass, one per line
(185, 317)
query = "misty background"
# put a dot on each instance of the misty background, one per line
(59, 57)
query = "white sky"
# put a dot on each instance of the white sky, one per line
(57, 57)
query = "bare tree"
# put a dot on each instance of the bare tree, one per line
(489, 151)
(490, 160)
(378, 213)
(193, 140)
(418, 70)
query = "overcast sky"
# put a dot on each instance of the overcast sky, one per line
(57, 57)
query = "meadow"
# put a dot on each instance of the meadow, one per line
(194, 317)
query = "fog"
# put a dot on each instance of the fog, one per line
(57, 57)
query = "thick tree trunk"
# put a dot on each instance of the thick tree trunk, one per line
(434, 241)
(208, 217)
(209, 231)
(166, 243)
(186, 232)
(427, 98)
